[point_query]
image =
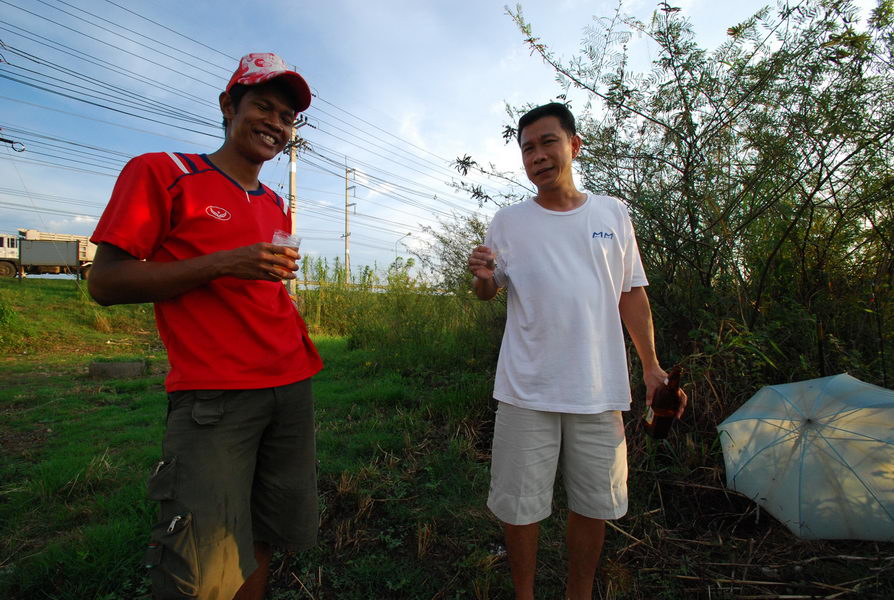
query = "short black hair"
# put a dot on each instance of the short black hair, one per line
(553, 109)
(238, 91)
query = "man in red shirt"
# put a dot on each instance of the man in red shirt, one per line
(191, 233)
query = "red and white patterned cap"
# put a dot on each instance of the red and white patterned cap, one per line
(259, 67)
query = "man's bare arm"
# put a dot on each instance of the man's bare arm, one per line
(637, 317)
(118, 277)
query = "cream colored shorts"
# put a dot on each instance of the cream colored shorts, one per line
(528, 447)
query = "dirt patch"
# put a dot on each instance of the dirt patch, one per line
(22, 444)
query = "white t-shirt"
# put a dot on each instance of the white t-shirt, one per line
(563, 348)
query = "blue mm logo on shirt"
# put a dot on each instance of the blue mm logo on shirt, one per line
(607, 235)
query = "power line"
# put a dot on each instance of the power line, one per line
(390, 190)
(402, 212)
(56, 165)
(98, 62)
(50, 197)
(119, 48)
(386, 192)
(392, 174)
(64, 200)
(129, 100)
(99, 105)
(32, 143)
(37, 134)
(107, 30)
(54, 211)
(317, 206)
(388, 147)
(352, 115)
(419, 160)
(388, 133)
(233, 58)
(45, 211)
(89, 118)
(113, 156)
(400, 148)
(387, 183)
(403, 150)
(154, 40)
(76, 161)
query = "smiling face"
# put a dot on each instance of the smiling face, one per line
(260, 124)
(547, 152)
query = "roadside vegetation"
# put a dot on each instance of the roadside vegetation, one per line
(404, 421)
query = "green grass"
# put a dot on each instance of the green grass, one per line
(404, 420)
(77, 452)
(56, 316)
(395, 461)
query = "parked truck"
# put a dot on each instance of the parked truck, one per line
(33, 252)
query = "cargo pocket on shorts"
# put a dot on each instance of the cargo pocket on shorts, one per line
(172, 559)
(163, 481)
(208, 406)
(171, 555)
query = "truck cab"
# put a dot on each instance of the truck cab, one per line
(9, 255)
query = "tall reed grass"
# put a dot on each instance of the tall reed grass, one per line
(407, 324)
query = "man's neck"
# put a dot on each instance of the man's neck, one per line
(560, 199)
(242, 171)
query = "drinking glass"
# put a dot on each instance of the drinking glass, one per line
(284, 238)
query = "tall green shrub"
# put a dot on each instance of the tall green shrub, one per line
(758, 177)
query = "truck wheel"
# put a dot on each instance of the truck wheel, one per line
(7, 269)
(84, 272)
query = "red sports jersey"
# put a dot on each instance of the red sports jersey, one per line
(230, 333)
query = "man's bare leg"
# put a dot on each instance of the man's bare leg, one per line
(584, 537)
(256, 584)
(521, 546)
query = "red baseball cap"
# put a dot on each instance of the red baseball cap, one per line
(259, 67)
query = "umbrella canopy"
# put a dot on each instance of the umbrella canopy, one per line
(818, 455)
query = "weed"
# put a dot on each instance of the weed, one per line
(425, 532)
(101, 321)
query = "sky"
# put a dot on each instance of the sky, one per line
(402, 87)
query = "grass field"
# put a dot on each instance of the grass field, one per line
(403, 447)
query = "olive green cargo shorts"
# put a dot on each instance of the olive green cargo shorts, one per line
(239, 467)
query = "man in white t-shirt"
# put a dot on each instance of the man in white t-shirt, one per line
(573, 274)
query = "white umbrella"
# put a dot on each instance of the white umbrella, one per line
(818, 455)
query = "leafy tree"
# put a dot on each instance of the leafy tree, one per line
(759, 178)
(443, 259)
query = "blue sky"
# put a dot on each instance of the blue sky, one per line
(403, 87)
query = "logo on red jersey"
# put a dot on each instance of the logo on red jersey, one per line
(221, 214)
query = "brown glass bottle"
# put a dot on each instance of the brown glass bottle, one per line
(660, 416)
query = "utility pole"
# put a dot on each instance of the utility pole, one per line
(347, 235)
(292, 147)
(293, 204)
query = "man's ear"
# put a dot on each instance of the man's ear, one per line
(576, 144)
(226, 105)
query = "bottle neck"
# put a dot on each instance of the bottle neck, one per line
(673, 378)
